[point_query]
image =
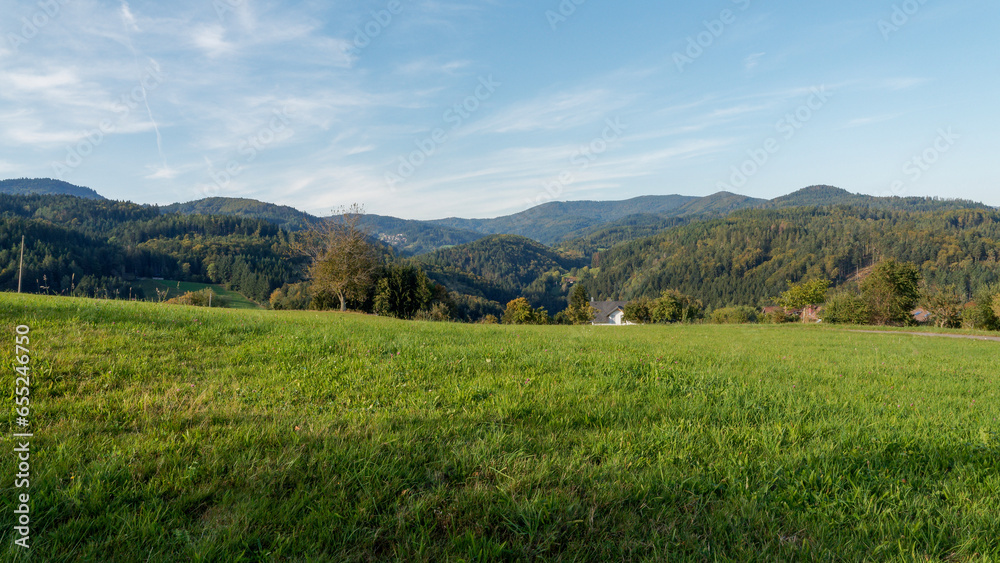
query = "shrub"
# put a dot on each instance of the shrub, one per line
(846, 308)
(291, 297)
(520, 312)
(778, 316)
(438, 312)
(638, 311)
(673, 307)
(734, 315)
(981, 314)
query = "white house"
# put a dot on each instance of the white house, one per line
(609, 313)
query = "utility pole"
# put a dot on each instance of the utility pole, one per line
(20, 267)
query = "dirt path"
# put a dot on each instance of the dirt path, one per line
(932, 334)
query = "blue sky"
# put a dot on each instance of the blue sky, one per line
(433, 108)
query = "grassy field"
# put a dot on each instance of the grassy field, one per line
(181, 434)
(178, 288)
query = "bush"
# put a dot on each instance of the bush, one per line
(291, 297)
(638, 311)
(778, 316)
(675, 307)
(945, 306)
(520, 312)
(438, 312)
(734, 315)
(981, 314)
(846, 308)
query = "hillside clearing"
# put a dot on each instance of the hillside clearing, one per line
(175, 433)
(177, 288)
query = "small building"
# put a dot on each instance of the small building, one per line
(609, 313)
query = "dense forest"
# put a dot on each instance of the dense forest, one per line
(748, 257)
(501, 268)
(94, 247)
(288, 218)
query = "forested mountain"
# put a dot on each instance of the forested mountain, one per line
(94, 247)
(747, 257)
(501, 268)
(45, 186)
(608, 235)
(406, 237)
(563, 223)
(415, 237)
(720, 203)
(288, 218)
(829, 195)
(555, 221)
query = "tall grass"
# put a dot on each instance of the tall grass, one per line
(173, 433)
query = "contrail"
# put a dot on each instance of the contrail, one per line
(145, 99)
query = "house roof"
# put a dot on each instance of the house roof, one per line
(606, 308)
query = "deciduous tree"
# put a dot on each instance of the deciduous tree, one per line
(891, 292)
(945, 306)
(343, 260)
(580, 311)
(804, 295)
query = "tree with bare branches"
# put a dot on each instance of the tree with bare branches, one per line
(342, 260)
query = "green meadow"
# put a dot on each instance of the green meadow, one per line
(169, 433)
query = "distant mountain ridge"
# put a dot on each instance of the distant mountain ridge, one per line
(45, 186)
(576, 226)
(284, 216)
